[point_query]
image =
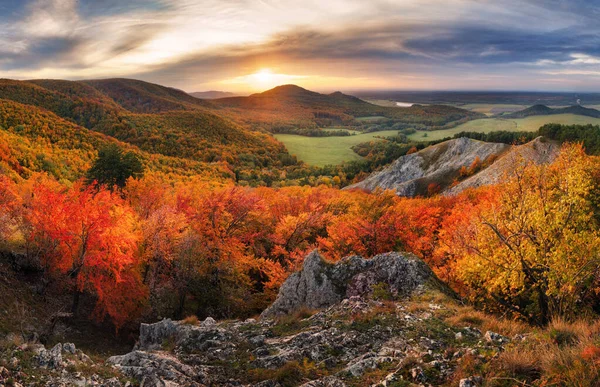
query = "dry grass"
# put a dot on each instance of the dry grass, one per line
(190, 320)
(467, 316)
(562, 354)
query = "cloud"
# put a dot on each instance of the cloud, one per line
(381, 43)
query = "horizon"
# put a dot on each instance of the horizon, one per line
(347, 45)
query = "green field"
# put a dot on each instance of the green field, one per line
(370, 118)
(485, 125)
(322, 151)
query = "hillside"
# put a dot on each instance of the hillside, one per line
(158, 120)
(433, 168)
(538, 151)
(543, 110)
(212, 94)
(36, 140)
(143, 97)
(290, 105)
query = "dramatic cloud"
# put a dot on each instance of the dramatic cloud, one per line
(339, 44)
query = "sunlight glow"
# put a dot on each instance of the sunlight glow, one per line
(263, 79)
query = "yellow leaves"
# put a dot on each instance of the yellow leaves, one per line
(541, 235)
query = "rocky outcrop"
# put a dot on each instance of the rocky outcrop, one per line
(321, 284)
(439, 164)
(538, 151)
(31, 364)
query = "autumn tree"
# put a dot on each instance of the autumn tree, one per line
(535, 250)
(113, 167)
(94, 239)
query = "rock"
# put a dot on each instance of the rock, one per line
(257, 340)
(156, 369)
(69, 348)
(472, 381)
(329, 381)
(209, 322)
(152, 336)
(411, 174)
(50, 358)
(495, 338)
(321, 284)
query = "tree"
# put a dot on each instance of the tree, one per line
(94, 239)
(112, 168)
(535, 251)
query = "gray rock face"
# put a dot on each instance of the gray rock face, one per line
(411, 175)
(321, 284)
(537, 151)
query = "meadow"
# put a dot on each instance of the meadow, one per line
(322, 151)
(486, 125)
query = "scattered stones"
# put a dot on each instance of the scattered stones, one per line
(495, 338)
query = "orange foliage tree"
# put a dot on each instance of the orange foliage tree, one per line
(94, 239)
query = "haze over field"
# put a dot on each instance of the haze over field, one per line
(246, 46)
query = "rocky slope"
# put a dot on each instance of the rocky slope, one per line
(439, 164)
(538, 151)
(382, 323)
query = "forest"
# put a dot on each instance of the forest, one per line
(527, 247)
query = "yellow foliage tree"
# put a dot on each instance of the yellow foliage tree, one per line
(535, 249)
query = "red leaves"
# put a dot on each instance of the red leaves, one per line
(89, 237)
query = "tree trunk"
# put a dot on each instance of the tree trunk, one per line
(75, 306)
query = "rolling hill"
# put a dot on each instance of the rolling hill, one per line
(543, 110)
(163, 123)
(291, 105)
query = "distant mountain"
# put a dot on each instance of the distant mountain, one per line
(543, 110)
(291, 105)
(212, 94)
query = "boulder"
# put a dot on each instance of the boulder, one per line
(321, 284)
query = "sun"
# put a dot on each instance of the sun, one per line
(263, 76)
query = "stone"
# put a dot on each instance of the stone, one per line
(69, 348)
(495, 338)
(321, 284)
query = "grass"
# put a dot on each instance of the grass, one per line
(320, 151)
(370, 118)
(486, 125)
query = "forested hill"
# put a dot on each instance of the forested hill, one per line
(543, 110)
(292, 105)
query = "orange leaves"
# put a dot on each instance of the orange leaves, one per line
(86, 235)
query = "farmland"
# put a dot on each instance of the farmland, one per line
(322, 151)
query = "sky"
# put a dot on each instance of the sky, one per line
(325, 45)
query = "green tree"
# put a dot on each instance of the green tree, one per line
(113, 167)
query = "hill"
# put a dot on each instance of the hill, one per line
(538, 151)
(143, 97)
(436, 166)
(290, 105)
(543, 110)
(212, 94)
(157, 120)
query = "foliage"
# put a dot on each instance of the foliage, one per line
(113, 167)
(534, 249)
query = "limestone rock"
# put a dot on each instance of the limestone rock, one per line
(321, 284)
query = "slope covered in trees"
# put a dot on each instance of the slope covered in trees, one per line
(525, 249)
(287, 106)
(543, 110)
